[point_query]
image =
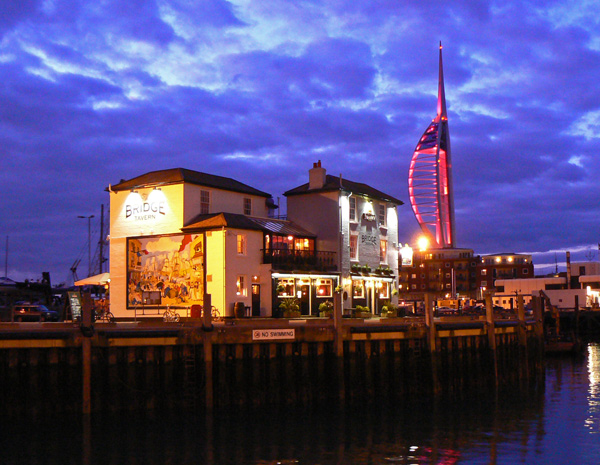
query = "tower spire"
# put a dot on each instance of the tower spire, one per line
(441, 103)
(430, 176)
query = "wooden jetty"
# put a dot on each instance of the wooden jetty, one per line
(259, 361)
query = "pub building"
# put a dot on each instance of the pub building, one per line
(178, 236)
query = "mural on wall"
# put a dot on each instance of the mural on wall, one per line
(165, 270)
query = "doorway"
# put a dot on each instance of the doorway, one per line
(256, 300)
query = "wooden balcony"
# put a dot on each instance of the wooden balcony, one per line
(300, 260)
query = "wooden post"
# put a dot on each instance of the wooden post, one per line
(431, 331)
(208, 371)
(206, 312)
(432, 343)
(87, 328)
(337, 324)
(522, 335)
(521, 317)
(491, 331)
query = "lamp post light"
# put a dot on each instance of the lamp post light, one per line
(89, 218)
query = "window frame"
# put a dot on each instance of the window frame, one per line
(241, 288)
(242, 240)
(353, 257)
(352, 207)
(204, 202)
(247, 206)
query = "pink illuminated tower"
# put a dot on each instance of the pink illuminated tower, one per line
(430, 177)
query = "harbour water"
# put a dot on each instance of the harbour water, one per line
(555, 421)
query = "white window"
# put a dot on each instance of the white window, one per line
(247, 206)
(241, 286)
(324, 287)
(483, 272)
(353, 246)
(285, 287)
(204, 202)
(241, 244)
(358, 289)
(352, 202)
(383, 251)
(381, 214)
(384, 290)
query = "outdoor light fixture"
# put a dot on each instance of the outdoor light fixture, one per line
(423, 243)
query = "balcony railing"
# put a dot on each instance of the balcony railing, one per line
(304, 260)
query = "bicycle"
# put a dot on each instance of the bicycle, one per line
(215, 315)
(103, 314)
(171, 315)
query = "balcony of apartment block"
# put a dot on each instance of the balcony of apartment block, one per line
(300, 260)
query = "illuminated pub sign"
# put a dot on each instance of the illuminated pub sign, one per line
(171, 267)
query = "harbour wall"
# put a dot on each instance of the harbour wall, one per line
(46, 367)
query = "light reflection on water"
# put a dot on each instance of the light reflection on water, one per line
(558, 423)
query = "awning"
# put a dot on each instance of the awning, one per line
(96, 280)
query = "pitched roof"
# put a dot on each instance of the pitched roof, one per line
(234, 220)
(334, 183)
(181, 175)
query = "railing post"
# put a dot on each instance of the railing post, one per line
(491, 332)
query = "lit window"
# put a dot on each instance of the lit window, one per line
(384, 290)
(241, 244)
(381, 214)
(285, 287)
(352, 202)
(241, 286)
(353, 246)
(247, 206)
(483, 272)
(204, 202)
(324, 288)
(358, 289)
(383, 251)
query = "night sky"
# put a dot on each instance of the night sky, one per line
(92, 92)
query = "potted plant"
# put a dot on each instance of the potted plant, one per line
(290, 307)
(366, 269)
(362, 312)
(326, 309)
(355, 268)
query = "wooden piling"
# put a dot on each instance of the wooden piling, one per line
(491, 332)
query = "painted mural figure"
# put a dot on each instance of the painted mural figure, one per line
(171, 265)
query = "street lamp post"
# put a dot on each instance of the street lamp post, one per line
(89, 218)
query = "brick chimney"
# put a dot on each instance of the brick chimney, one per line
(316, 176)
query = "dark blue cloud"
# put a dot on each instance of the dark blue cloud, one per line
(91, 93)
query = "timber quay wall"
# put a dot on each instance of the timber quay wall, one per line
(258, 362)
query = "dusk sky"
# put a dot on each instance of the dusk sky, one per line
(92, 92)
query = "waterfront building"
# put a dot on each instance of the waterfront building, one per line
(446, 274)
(502, 266)
(579, 285)
(359, 224)
(178, 234)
